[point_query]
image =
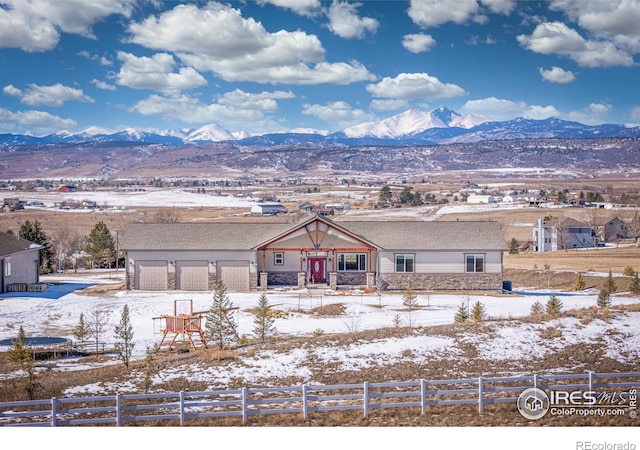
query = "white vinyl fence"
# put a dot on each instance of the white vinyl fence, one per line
(179, 407)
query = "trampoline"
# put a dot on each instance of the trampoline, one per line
(43, 347)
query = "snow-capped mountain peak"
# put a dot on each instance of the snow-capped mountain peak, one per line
(211, 132)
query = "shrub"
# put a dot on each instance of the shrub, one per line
(629, 271)
(478, 312)
(537, 309)
(580, 284)
(554, 306)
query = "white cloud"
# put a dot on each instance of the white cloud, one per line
(217, 38)
(233, 110)
(635, 113)
(301, 7)
(504, 7)
(35, 120)
(412, 86)
(156, 72)
(418, 43)
(35, 25)
(54, 95)
(616, 21)
(500, 109)
(103, 85)
(339, 114)
(431, 13)
(103, 60)
(557, 75)
(388, 104)
(557, 38)
(345, 22)
(593, 114)
(12, 90)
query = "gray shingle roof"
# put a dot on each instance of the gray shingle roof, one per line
(198, 236)
(390, 235)
(421, 235)
(12, 244)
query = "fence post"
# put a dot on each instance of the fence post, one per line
(591, 381)
(305, 402)
(118, 410)
(535, 381)
(423, 396)
(480, 394)
(244, 405)
(365, 399)
(54, 411)
(182, 412)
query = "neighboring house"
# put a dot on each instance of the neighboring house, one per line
(562, 234)
(19, 261)
(268, 208)
(314, 252)
(306, 207)
(612, 230)
(480, 199)
(67, 188)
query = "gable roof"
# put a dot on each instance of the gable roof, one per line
(565, 222)
(385, 235)
(12, 244)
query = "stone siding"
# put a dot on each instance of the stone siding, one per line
(438, 281)
(352, 279)
(282, 279)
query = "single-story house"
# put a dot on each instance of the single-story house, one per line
(314, 252)
(562, 234)
(19, 261)
(68, 188)
(481, 199)
(268, 208)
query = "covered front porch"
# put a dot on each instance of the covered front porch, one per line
(320, 254)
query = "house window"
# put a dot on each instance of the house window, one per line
(7, 266)
(475, 263)
(405, 263)
(278, 259)
(352, 262)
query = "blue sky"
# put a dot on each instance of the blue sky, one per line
(274, 65)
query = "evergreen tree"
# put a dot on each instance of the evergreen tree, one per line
(406, 196)
(263, 322)
(21, 352)
(81, 331)
(537, 309)
(416, 200)
(123, 334)
(610, 284)
(604, 298)
(513, 247)
(100, 246)
(634, 287)
(580, 284)
(462, 314)
(150, 368)
(554, 306)
(410, 301)
(33, 232)
(478, 312)
(220, 326)
(385, 194)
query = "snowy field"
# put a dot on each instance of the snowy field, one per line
(57, 312)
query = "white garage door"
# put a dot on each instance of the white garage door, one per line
(234, 275)
(151, 275)
(192, 275)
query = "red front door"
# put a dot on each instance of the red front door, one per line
(316, 270)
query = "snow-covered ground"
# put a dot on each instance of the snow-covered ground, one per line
(57, 312)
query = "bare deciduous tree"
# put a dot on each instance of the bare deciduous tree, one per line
(97, 324)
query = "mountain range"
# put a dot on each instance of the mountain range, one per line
(411, 127)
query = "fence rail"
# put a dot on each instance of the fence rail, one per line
(180, 407)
